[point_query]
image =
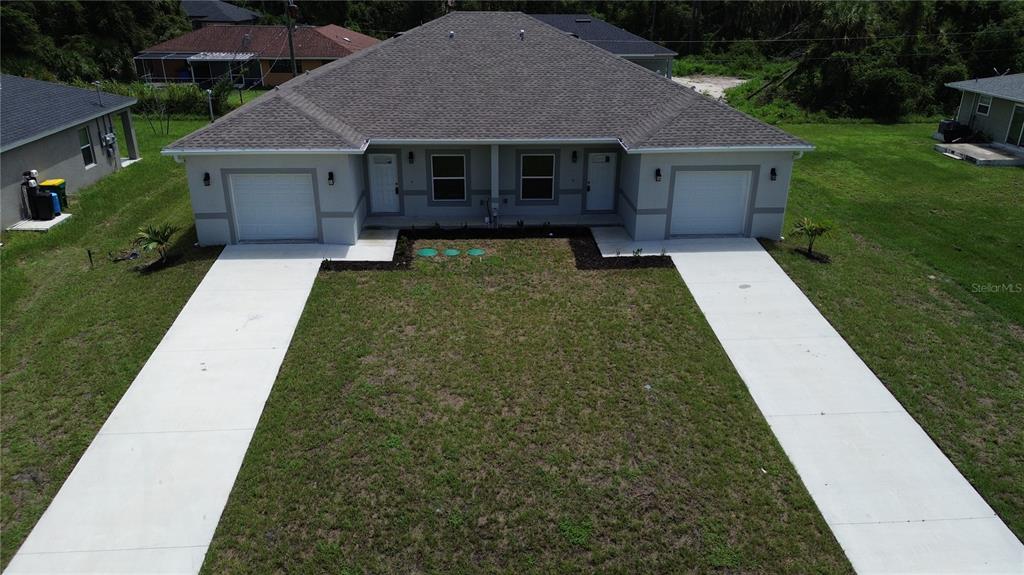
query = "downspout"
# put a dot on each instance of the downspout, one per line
(495, 181)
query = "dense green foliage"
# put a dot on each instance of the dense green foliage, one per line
(177, 100)
(72, 40)
(881, 60)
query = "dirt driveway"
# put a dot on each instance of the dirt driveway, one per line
(714, 86)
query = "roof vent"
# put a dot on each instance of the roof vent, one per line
(451, 34)
(583, 20)
(522, 34)
(345, 38)
(246, 41)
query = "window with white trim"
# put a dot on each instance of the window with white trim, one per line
(85, 146)
(537, 177)
(448, 176)
(984, 104)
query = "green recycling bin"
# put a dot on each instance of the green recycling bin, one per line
(56, 186)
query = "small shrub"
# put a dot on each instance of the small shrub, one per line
(811, 230)
(157, 238)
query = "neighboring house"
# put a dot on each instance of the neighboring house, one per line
(614, 39)
(479, 117)
(206, 12)
(61, 131)
(995, 107)
(252, 55)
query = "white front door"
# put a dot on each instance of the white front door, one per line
(269, 207)
(600, 191)
(383, 183)
(710, 203)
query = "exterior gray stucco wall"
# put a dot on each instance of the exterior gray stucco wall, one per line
(995, 124)
(341, 207)
(55, 156)
(648, 217)
(415, 184)
(643, 204)
(661, 65)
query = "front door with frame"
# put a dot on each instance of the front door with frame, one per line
(384, 197)
(1015, 134)
(600, 189)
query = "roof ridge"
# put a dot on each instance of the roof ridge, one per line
(327, 120)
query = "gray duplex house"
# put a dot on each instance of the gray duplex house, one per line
(620, 42)
(995, 107)
(484, 118)
(62, 132)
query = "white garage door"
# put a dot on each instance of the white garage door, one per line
(710, 203)
(274, 207)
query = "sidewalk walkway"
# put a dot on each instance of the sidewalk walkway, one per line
(893, 500)
(147, 494)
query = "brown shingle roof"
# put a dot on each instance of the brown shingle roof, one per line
(484, 84)
(268, 41)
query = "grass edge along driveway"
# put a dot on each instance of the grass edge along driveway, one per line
(918, 238)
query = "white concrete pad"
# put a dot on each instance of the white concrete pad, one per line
(142, 491)
(894, 501)
(39, 225)
(808, 376)
(759, 310)
(148, 492)
(957, 546)
(197, 391)
(373, 245)
(171, 561)
(870, 467)
(236, 319)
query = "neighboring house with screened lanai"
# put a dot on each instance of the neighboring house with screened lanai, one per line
(250, 55)
(483, 119)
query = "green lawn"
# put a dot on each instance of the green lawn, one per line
(513, 414)
(75, 336)
(922, 245)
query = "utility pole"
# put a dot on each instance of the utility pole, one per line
(291, 11)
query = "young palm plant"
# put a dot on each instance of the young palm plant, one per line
(811, 230)
(156, 238)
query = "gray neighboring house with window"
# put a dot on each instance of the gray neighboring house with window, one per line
(479, 118)
(61, 131)
(995, 107)
(614, 39)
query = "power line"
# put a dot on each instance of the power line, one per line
(771, 40)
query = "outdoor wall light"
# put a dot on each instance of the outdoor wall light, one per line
(657, 174)
(575, 156)
(774, 176)
(206, 178)
(330, 178)
(412, 157)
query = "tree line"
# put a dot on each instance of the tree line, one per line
(863, 59)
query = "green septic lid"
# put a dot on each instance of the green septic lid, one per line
(427, 252)
(476, 252)
(451, 252)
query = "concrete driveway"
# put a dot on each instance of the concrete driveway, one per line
(893, 500)
(147, 494)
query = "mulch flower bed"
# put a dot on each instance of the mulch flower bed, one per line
(581, 241)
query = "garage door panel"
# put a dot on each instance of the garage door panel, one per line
(269, 207)
(710, 203)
